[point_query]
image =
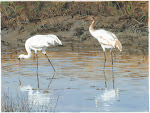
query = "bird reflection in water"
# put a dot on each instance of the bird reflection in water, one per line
(40, 97)
(108, 96)
(35, 97)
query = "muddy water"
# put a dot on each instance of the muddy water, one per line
(81, 82)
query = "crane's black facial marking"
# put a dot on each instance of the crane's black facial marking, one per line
(91, 18)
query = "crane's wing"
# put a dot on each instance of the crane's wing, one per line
(108, 38)
(40, 41)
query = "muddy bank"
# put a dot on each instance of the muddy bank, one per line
(74, 32)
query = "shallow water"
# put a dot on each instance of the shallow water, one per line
(81, 82)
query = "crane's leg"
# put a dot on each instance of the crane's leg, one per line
(34, 56)
(105, 56)
(37, 71)
(50, 62)
(112, 68)
(105, 75)
(111, 57)
(104, 69)
(103, 47)
(113, 79)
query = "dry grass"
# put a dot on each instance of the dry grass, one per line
(20, 104)
(15, 14)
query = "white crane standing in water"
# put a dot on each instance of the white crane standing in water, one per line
(106, 39)
(39, 43)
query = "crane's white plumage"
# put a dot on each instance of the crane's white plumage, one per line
(39, 43)
(106, 39)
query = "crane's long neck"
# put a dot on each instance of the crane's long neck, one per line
(91, 28)
(29, 53)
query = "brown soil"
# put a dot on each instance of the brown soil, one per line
(74, 32)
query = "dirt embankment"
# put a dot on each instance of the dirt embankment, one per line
(128, 20)
(74, 32)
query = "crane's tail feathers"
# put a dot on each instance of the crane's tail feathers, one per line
(56, 39)
(118, 45)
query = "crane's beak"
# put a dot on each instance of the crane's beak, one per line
(18, 62)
